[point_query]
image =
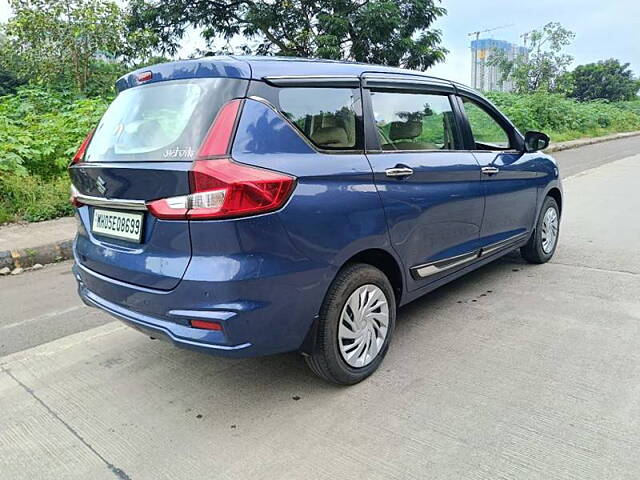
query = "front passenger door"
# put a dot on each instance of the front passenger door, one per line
(508, 175)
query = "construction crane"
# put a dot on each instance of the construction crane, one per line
(475, 54)
(478, 33)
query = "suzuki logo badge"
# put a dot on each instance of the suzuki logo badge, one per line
(101, 185)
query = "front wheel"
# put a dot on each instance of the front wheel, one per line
(355, 327)
(542, 244)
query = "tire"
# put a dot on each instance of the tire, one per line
(334, 358)
(537, 249)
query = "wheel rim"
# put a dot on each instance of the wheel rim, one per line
(364, 323)
(549, 230)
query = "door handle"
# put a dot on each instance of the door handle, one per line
(489, 170)
(398, 172)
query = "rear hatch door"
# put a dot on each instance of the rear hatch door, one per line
(142, 150)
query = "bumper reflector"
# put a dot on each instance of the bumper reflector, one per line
(206, 325)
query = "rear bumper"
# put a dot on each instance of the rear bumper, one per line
(259, 316)
(180, 335)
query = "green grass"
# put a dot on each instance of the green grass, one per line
(32, 199)
(566, 119)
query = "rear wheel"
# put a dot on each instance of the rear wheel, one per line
(357, 320)
(542, 244)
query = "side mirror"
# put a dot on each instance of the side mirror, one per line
(535, 141)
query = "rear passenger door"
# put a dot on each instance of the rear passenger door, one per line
(430, 187)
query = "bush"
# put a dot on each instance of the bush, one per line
(40, 130)
(31, 198)
(565, 119)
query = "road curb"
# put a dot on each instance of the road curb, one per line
(28, 257)
(581, 142)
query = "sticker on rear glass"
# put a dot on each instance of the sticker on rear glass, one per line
(179, 153)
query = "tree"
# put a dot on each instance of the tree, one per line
(51, 41)
(391, 32)
(544, 65)
(606, 79)
(8, 82)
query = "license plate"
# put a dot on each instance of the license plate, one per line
(125, 226)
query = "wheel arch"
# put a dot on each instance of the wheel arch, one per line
(556, 194)
(376, 257)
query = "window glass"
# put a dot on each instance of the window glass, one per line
(487, 133)
(326, 116)
(160, 121)
(414, 121)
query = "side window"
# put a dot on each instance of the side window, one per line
(326, 116)
(414, 121)
(487, 132)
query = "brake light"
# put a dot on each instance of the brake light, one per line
(83, 148)
(219, 137)
(221, 188)
(145, 76)
(224, 189)
(73, 197)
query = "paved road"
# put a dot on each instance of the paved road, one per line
(515, 371)
(578, 160)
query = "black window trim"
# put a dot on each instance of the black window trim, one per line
(310, 144)
(515, 138)
(372, 141)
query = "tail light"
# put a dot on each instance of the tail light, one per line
(73, 197)
(83, 148)
(77, 158)
(221, 188)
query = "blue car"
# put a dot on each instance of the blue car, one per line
(246, 206)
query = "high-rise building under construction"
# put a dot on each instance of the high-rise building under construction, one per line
(484, 75)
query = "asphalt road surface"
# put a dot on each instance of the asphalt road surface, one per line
(514, 371)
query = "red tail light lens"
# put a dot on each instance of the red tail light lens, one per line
(218, 139)
(73, 197)
(221, 188)
(83, 148)
(224, 189)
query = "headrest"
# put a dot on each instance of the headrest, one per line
(330, 137)
(400, 130)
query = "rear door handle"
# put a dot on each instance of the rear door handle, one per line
(399, 172)
(489, 170)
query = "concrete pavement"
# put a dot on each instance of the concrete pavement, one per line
(515, 371)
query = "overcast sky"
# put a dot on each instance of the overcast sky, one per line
(603, 29)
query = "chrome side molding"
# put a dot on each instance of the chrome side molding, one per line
(494, 247)
(428, 269)
(422, 271)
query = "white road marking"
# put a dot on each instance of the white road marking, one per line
(41, 317)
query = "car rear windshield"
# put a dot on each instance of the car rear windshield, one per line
(164, 121)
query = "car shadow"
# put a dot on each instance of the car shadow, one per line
(259, 375)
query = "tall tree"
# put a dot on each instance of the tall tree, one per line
(606, 79)
(52, 40)
(391, 32)
(543, 66)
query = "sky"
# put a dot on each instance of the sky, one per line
(603, 29)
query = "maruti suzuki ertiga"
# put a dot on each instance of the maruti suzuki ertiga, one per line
(246, 206)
